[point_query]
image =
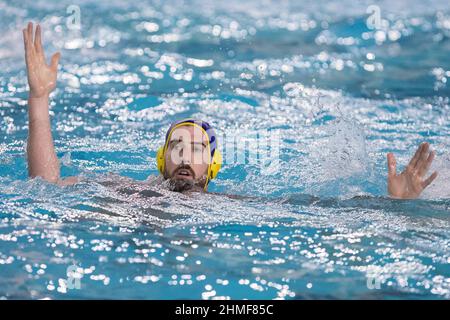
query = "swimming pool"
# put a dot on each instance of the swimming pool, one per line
(337, 94)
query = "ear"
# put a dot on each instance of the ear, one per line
(215, 165)
(160, 161)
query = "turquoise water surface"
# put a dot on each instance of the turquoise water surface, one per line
(315, 220)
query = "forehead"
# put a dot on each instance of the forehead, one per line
(188, 132)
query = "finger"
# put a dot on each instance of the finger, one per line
(30, 31)
(414, 159)
(392, 166)
(427, 163)
(28, 57)
(55, 61)
(30, 39)
(25, 40)
(38, 43)
(423, 156)
(429, 180)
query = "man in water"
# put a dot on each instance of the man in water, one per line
(189, 158)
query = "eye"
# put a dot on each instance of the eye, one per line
(198, 148)
(177, 145)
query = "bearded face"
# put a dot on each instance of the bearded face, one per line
(187, 159)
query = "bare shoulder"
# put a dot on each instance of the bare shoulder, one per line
(128, 186)
(69, 181)
(234, 196)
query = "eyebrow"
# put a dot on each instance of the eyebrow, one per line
(193, 142)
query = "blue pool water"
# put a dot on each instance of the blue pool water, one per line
(338, 94)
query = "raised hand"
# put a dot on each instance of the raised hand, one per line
(411, 182)
(41, 76)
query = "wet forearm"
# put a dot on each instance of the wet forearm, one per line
(42, 160)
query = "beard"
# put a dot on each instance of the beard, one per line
(181, 185)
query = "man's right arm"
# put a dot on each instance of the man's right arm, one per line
(42, 159)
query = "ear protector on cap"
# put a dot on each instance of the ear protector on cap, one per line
(215, 165)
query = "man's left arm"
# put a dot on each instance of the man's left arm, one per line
(410, 183)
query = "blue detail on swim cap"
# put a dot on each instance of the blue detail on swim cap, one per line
(205, 125)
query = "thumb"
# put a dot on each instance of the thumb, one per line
(392, 166)
(55, 61)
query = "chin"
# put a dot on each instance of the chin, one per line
(183, 184)
(180, 185)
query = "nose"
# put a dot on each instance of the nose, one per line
(185, 156)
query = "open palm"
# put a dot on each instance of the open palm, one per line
(41, 76)
(411, 182)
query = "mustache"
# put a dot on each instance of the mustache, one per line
(184, 167)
